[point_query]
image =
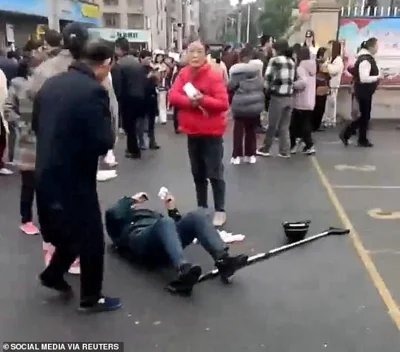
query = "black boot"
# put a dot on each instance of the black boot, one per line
(227, 266)
(188, 276)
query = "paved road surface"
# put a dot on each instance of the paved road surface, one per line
(316, 298)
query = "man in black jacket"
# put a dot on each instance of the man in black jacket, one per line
(153, 239)
(129, 81)
(71, 118)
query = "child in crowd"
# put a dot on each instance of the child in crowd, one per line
(162, 69)
(303, 102)
(18, 111)
(246, 88)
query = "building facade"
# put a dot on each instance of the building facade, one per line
(21, 18)
(125, 16)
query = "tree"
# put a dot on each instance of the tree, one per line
(277, 17)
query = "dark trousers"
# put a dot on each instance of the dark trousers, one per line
(27, 195)
(244, 130)
(175, 118)
(163, 243)
(147, 125)
(3, 143)
(300, 127)
(362, 123)
(318, 113)
(206, 154)
(130, 127)
(74, 235)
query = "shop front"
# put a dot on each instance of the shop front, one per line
(138, 39)
(19, 19)
(77, 11)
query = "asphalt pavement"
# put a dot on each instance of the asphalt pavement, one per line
(320, 297)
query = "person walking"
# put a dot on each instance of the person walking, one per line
(200, 95)
(366, 80)
(322, 90)
(129, 75)
(149, 105)
(70, 139)
(246, 87)
(303, 102)
(279, 78)
(75, 37)
(335, 69)
(18, 112)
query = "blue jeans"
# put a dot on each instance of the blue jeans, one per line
(164, 242)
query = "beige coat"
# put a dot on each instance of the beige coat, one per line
(3, 99)
(59, 64)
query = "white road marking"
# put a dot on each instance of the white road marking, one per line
(364, 187)
(365, 168)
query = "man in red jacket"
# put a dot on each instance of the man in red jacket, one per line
(202, 116)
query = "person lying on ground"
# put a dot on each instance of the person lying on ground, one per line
(155, 240)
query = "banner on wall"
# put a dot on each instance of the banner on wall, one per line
(353, 31)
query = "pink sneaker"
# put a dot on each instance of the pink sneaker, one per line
(29, 228)
(75, 268)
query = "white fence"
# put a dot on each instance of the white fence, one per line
(368, 11)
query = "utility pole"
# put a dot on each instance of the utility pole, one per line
(239, 24)
(248, 23)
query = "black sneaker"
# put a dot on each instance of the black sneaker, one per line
(344, 140)
(61, 286)
(104, 304)
(366, 144)
(227, 266)
(133, 156)
(263, 152)
(188, 276)
(154, 146)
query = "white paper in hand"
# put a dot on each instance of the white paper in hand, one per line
(163, 192)
(190, 90)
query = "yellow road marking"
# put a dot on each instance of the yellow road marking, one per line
(379, 214)
(393, 308)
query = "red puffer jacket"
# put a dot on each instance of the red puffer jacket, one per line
(209, 119)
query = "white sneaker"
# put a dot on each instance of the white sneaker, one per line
(250, 159)
(293, 150)
(109, 159)
(310, 151)
(219, 218)
(235, 161)
(5, 172)
(284, 156)
(106, 175)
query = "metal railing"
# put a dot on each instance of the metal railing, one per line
(368, 11)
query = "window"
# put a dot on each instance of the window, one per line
(111, 20)
(135, 21)
(110, 2)
(137, 3)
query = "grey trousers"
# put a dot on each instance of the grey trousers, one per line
(279, 116)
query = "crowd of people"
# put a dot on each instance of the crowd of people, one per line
(64, 101)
